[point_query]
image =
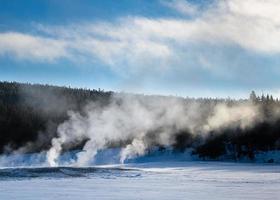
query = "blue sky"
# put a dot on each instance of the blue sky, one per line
(172, 47)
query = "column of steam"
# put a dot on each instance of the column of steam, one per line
(54, 152)
(136, 148)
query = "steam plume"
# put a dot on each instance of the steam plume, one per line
(143, 121)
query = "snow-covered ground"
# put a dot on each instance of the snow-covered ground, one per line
(157, 175)
(151, 180)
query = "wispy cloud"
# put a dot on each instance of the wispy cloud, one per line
(25, 46)
(134, 43)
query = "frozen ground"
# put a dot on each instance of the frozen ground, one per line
(156, 180)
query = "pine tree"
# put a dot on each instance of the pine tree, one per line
(253, 97)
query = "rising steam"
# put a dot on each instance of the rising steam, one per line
(143, 121)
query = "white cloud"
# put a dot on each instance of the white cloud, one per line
(30, 47)
(139, 42)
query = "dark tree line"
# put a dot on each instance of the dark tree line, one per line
(32, 112)
(237, 143)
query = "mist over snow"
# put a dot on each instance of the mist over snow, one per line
(139, 99)
(141, 122)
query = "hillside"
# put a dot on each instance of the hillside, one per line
(30, 115)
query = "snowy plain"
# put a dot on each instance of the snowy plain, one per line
(174, 180)
(158, 176)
